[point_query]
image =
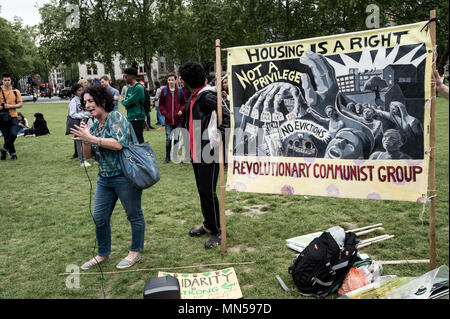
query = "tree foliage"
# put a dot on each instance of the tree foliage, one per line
(187, 29)
(19, 54)
(93, 37)
(404, 12)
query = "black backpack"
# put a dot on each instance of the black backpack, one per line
(322, 266)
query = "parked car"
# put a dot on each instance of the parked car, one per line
(26, 97)
(65, 93)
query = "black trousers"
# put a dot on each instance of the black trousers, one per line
(9, 131)
(138, 127)
(206, 176)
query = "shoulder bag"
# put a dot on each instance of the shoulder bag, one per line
(4, 114)
(138, 163)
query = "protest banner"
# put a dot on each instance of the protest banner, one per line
(220, 284)
(340, 116)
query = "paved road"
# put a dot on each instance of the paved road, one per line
(54, 99)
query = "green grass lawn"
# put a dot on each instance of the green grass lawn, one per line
(45, 222)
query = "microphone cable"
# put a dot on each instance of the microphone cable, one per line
(90, 211)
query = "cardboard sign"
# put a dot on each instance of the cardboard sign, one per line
(220, 284)
(300, 242)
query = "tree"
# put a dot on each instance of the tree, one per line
(93, 38)
(104, 32)
(19, 54)
(59, 42)
(187, 29)
(404, 12)
(141, 37)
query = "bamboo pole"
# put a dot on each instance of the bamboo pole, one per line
(432, 171)
(221, 167)
(364, 232)
(398, 262)
(373, 239)
(367, 243)
(363, 228)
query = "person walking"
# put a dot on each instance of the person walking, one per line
(187, 94)
(147, 107)
(172, 104)
(159, 116)
(104, 140)
(124, 89)
(84, 83)
(10, 101)
(106, 82)
(134, 103)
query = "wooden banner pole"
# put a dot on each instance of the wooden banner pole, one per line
(221, 150)
(432, 192)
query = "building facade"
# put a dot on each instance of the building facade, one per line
(56, 78)
(93, 71)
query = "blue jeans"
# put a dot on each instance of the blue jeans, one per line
(9, 130)
(20, 130)
(169, 129)
(159, 116)
(109, 189)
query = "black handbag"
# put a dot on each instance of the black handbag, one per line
(4, 114)
(5, 117)
(70, 123)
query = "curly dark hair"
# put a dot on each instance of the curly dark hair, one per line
(193, 74)
(101, 96)
(75, 88)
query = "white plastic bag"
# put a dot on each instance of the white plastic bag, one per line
(420, 287)
(213, 132)
(372, 271)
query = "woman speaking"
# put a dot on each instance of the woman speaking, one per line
(104, 140)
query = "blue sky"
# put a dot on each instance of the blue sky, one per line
(25, 9)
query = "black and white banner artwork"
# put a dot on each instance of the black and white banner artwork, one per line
(341, 116)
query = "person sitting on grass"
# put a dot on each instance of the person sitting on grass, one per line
(22, 124)
(39, 126)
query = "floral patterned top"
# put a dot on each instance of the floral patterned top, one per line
(117, 127)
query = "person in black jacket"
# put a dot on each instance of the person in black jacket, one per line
(147, 107)
(199, 107)
(39, 126)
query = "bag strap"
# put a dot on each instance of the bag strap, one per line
(179, 93)
(133, 135)
(285, 288)
(362, 263)
(283, 285)
(4, 99)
